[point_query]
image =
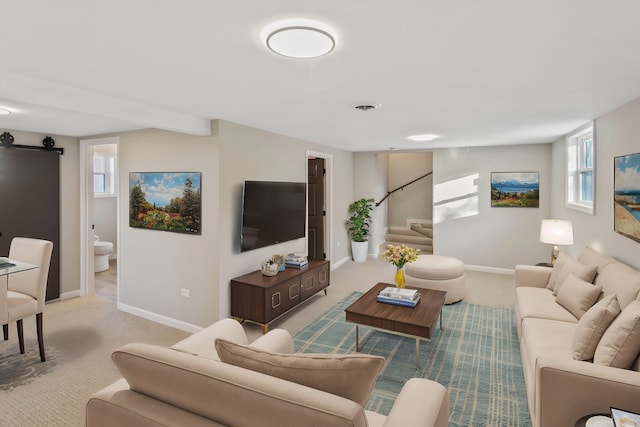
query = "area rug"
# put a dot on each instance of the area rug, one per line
(19, 369)
(476, 357)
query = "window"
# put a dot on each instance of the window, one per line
(104, 175)
(581, 169)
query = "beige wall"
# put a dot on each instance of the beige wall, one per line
(154, 266)
(69, 206)
(415, 200)
(617, 133)
(465, 224)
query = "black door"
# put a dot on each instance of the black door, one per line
(30, 203)
(315, 201)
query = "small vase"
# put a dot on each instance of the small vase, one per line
(399, 278)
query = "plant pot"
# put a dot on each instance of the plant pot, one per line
(359, 251)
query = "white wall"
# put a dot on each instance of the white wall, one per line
(105, 221)
(465, 224)
(617, 133)
(415, 200)
(370, 182)
(69, 205)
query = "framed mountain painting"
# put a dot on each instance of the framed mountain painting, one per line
(515, 189)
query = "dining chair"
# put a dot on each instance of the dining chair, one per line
(26, 290)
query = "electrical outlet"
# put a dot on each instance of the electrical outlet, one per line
(185, 292)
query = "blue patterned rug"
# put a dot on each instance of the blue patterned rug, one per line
(476, 357)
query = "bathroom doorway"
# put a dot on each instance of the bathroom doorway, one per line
(99, 217)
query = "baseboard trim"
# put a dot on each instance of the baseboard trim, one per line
(337, 264)
(495, 270)
(159, 318)
(69, 295)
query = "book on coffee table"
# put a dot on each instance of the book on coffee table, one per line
(400, 293)
(398, 301)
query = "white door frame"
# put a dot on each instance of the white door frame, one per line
(87, 279)
(328, 197)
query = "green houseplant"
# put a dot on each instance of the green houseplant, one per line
(358, 227)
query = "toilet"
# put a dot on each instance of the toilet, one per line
(101, 252)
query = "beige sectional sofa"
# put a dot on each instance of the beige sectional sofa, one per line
(262, 384)
(579, 329)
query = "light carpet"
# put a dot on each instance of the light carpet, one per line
(476, 357)
(80, 335)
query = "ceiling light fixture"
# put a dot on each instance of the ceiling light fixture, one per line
(4, 111)
(422, 138)
(299, 38)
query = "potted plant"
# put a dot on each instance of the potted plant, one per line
(358, 228)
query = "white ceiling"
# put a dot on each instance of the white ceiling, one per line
(486, 72)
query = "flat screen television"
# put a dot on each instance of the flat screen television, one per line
(272, 212)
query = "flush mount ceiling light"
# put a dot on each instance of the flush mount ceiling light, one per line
(422, 138)
(299, 38)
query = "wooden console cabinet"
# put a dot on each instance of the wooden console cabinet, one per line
(262, 299)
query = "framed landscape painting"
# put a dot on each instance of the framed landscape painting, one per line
(515, 189)
(626, 196)
(167, 201)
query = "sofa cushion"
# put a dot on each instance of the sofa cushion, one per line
(590, 257)
(592, 326)
(540, 303)
(581, 271)
(558, 265)
(350, 376)
(620, 344)
(577, 296)
(621, 280)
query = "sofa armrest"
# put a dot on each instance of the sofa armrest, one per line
(532, 275)
(202, 342)
(275, 341)
(420, 402)
(568, 389)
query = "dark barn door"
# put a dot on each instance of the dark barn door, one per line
(30, 203)
(315, 201)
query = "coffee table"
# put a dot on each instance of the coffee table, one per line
(417, 322)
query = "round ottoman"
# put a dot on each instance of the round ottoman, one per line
(441, 273)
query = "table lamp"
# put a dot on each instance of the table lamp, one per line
(556, 232)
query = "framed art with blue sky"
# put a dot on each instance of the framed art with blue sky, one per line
(515, 189)
(167, 201)
(626, 196)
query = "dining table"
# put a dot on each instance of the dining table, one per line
(9, 266)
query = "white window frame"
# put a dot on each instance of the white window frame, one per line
(111, 187)
(575, 151)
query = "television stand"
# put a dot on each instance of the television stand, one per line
(262, 299)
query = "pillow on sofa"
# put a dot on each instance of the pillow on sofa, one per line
(577, 296)
(620, 344)
(557, 267)
(592, 326)
(581, 271)
(350, 376)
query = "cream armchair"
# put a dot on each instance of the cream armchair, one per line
(26, 290)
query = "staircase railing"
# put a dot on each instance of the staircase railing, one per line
(402, 187)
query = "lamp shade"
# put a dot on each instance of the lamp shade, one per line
(556, 232)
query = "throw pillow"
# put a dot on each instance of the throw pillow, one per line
(350, 376)
(581, 271)
(557, 267)
(592, 326)
(577, 296)
(620, 344)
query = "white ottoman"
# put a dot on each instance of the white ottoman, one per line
(441, 273)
